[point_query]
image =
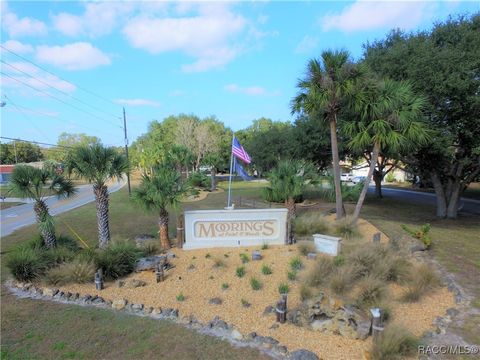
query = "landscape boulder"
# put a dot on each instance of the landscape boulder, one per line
(149, 262)
(119, 304)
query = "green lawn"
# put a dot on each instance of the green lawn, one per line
(41, 330)
(472, 192)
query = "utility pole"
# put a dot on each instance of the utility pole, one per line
(15, 151)
(126, 151)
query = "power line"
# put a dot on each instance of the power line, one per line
(55, 97)
(36, 142)
(61, 91)
(40, 67)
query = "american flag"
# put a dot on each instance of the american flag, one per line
(240, 152)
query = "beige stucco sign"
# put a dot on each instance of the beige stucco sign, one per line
(227, 228)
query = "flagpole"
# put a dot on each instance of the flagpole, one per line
(230, 178)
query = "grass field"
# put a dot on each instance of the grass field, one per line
(44, 330)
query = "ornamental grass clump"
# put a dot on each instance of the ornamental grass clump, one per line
(240, 271)
(118, 259)
(266, 270)
(255, 284)
(296, 264)
(310, 223)
(371, 291)
(305, 247)
(422, 279)
(341, 280)
(78, 271)
(321, 271)
(26, 264)
(394, 343)
(283, 288)
(347, 229)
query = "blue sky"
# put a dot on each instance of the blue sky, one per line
(236, 60)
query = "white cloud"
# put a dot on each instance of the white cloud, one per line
(250, 90)
(17, 27)
(23, 72)
(18, 47)
(367, 15)
(307, 44)
(75, 56)
(137, 102)
(209, 36)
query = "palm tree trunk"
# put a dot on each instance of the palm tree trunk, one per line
(363, 194)
(101, 202)
(336, 170)
(292, 213)
(163, 229)
(42, 215)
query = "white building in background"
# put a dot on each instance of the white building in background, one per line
(361, 169)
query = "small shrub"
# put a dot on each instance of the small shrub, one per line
(240, 271)
(211, 277)
(321, 270)
(365, 258)
(339, 260)
(26, 264)
(265, 246)
(199, 179)
(341, 280)
(395, 342)
(244, 257)
(118, 259)
(422, 234)
(255, 284)
(266, 270)
(225, 256)
(245, 303)
(310, 223)
(347, 229)
(292, 275)
(208, 256)
(391, 268)
(218, 263)
(68, 243)
(225, 286)
(305, 247)
(371, 291)
(149, 248)
(180, 297)
(296, 264)
(305, 292)
(57, 255)
(422, 279)
(283, 288)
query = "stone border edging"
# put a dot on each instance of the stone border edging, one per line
(217, 327)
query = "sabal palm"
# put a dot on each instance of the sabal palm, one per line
(390, 118)
(158, 191)
(98, 165)
(324, 92)
(36, 184)
(288, 179)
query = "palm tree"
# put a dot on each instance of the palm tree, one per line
(36, 184)
(288, 181)
(323, 92)
(389, 119)
(161, 189)
(98, 165)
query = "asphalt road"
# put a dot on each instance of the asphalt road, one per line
(468, 206)
(17, 217)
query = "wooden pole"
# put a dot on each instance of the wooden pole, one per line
(377, 326)
(281, 309)
(180, 230)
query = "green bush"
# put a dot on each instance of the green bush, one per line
(225, 286)
(240, 271)
(310, 223)
(296, 264)
(339, 260)
(422, 234)
(305, 247)
(349, 193)
(199, 179)
(283, 288)
(26, 264)
(68, 243)
(266, 270)
(244, 257)
(180, 297)
(371, 291)
(321, 271)
(118, 259)
(255, 284)
(394, 343)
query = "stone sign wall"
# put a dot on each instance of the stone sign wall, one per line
(229, 228)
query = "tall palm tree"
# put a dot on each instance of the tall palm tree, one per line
(161, 189)
(36, 184)
(323, 91)
(390, 118)
(98, 165)
(288, 181)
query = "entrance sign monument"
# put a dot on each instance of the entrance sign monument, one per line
(230, 228)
